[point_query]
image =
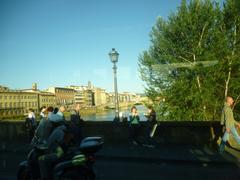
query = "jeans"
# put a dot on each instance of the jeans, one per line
(234, 133)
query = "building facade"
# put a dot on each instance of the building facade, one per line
(63, 96)
(100, 97)
(83, 95)
(47, 99)
(18, 102)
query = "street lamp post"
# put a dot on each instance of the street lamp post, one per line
(114, 59)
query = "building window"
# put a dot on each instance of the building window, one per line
(26, 104)
(0, 105)
(33, 104)
(5, 97)
(29, 104)
(10, 105)
(10, 97)
(0, 97)
(14, 104)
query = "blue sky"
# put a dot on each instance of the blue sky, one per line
(66, 42)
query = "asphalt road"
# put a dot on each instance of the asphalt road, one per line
(117, 169)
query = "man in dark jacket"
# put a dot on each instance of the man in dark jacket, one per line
(76, 124)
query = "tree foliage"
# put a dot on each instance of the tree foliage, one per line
(193, 62)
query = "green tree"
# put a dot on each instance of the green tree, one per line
(180, 63)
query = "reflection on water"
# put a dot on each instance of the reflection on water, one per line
(110, 114)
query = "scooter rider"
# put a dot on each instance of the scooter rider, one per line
(53, 143)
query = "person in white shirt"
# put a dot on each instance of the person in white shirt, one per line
(30, 124)
(31, 114)
(42, 112)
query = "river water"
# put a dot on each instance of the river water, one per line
(110, 114)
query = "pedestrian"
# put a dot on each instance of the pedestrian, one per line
(50, 112)
(32, 116)
(151, 126)
(61, 111)
(39, 132)
(55, 111)
(152, 121)
(47, 126)
(30, 124)
(134, 126)
(229, 122)
(76, 124)
(43, 109)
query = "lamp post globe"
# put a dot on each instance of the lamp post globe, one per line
(113, 55)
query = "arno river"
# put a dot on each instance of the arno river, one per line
(110, 114)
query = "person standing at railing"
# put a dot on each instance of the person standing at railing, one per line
(76, 124)
(151, 126)
(30, 124)
(134, 125)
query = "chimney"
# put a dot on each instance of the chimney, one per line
(34, 86)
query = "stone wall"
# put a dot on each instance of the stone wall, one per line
(167, 132)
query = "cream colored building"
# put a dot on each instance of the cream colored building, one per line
(100, 97)
(44, 98)
(18, 102)
(83, 95)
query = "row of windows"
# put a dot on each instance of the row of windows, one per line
(18, 104)
(64, 91)
(17, 97)
(13, 112)
(48, 100)
(64, 101)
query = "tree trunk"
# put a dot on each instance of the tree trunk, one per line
(230, 61)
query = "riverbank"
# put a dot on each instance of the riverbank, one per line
(86, 112)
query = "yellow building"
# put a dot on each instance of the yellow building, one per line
(46, 99)
(18, 102)
(100, 97)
